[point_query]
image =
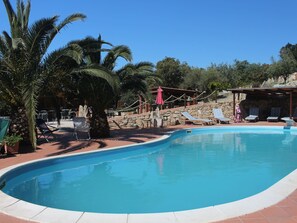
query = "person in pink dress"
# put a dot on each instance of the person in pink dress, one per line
(237, 117)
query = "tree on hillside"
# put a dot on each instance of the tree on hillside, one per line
(288, 61)
(194, 80)
(25, 64)
(289, 48)
(171, 71)
(247, 74)
(286, 65)
(215, 81)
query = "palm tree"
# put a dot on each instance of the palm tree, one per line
(135, 79)
(97, 81)
(134, 76)
(103, 85)
(25, 63)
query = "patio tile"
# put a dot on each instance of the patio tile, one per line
(6, 200)
(274, 212)
(24, 209)
(288, 202)
(10, 219)
(51, 215)
(255, 220)
(291, 210)
(281, 220)
(209, 214)
(293, 196)
(232, 220)
(255, 215)
(97, 217)
(148, 218)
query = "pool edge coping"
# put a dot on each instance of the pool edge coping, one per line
(32, 212)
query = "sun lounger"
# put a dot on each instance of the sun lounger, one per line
(294, 117)
(219, 116)
(192, 119)
(45, 130)
(253, 115)
(274, 115)
(4, 124)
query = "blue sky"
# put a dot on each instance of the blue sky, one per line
(193, 31)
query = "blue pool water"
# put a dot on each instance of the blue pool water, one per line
(194, 169)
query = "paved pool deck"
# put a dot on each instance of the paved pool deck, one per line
(285, 210)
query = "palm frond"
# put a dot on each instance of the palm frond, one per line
(115, 53)
(59, 27)
(66, 21)
(8, 88)
(4, 48)
(7, 39)
(23, 13)
(145, 66)
(103, 42)
(72, 18)
(37, 35)
(10, 12)
(92, 49)
(123, 52)
(30, 94)
(72, 51)
(102, 73)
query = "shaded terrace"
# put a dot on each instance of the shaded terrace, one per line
(284, 97)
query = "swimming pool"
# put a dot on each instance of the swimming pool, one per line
(176, 172)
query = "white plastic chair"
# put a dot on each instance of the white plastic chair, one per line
(81, 127)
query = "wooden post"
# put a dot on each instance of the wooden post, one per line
(146, 106)
(291, 102)
(234, 104)
(185, 100)
(140, 104)
(188, 101)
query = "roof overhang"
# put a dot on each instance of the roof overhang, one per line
(274, 91)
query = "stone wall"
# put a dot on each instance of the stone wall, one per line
(173, 116)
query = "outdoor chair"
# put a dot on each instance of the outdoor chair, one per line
(4, 127)
(65, 113)
(274, 114)
(294, 116)
(219, 116)
(191, 119)
(45, 130)
(43, 114)
(253, 115)
(81, 127)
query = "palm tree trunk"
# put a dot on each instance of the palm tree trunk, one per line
(19, 125)
(99, 124)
